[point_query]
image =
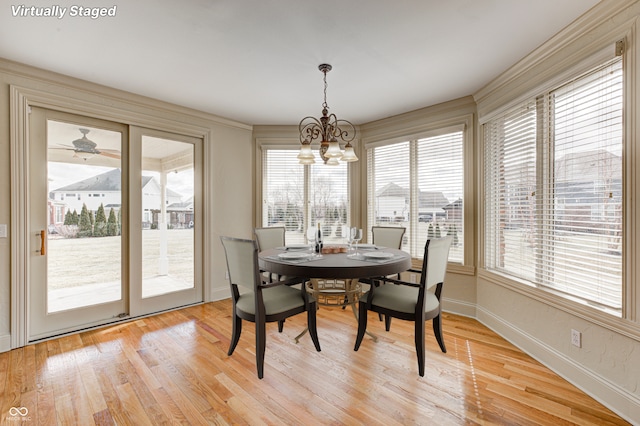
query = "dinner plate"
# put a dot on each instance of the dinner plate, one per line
(297, 247)
(367, 246)
(291, 255)
(378, 255)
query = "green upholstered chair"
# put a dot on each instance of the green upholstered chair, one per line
(388, 236)
(267, 238)
(415, 302)
(261, 302)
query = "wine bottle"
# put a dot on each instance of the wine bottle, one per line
(319, 240)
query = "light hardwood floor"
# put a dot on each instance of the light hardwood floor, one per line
(173, 368)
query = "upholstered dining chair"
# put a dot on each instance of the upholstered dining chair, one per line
(261, 302)
(387, 236)
(412, 301)
(269, 238)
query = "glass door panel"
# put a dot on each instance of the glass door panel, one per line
(84, 221)
(168, 216)
(75, 225)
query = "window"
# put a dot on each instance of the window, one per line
(419, 184)
(298, 197)
(553, 176)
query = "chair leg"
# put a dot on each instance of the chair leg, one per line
(235, 337)
(419, 338)
(261, 337)
(280, 326)
(362, 324)
(437, 330)
(387, 322)
(312, 325)
(380, 318)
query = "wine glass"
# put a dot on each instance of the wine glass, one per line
(356, 236)
(346, 232)
(311, 238)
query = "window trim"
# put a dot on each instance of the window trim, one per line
(428, 127)
(627, 324)
(289, 143)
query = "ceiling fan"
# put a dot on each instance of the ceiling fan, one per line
(85, 148)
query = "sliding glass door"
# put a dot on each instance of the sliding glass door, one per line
(113, 222)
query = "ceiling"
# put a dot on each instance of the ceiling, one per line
(256, 62)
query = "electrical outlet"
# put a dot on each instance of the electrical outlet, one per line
(226, 275)
(3, 231)
(412, 278)
(576, 338)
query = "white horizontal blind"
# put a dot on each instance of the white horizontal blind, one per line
(388, 184)
(440, 196)
(329, 200)
(553, 189)
(298, 197)
(283, 192)
(510, 177)
(419, 184)
(582, 246)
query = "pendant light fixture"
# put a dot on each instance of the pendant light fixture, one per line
(328, 129)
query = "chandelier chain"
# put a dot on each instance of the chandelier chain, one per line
(324, 104)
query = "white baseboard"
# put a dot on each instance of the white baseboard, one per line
(5, 343)
(458, 307)
(617, 399)
(220, 293)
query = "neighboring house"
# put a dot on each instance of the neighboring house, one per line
(392, 203)
(431, 206)
(105, 189)
(583, 181)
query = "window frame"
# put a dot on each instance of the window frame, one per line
(600, 52)
(288, 143)
(426, 123)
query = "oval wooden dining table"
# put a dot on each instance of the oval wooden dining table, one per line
(371, 262)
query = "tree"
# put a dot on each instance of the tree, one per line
(112, 224)
(76, 218)
(68, 218)
(100, 225)
(430, 233)
(86, 229)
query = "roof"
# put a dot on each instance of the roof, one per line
(106, 182)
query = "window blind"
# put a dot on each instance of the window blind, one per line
(440, 184)
(298, 197)
(419, 184)
(388, 188)
(553, 174)
(283, 195)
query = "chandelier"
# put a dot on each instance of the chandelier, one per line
(328, 129)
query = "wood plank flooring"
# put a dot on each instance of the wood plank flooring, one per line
(173, 368)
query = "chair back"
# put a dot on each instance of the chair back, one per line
(388, 236)
(434, 264)
(242, 262)
(269, 237)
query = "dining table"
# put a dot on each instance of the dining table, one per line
(333, 277)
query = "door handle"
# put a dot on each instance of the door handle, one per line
(43, 236)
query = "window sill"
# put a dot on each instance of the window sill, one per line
(598, 317)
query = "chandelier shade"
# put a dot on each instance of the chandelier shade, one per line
(328, 130)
